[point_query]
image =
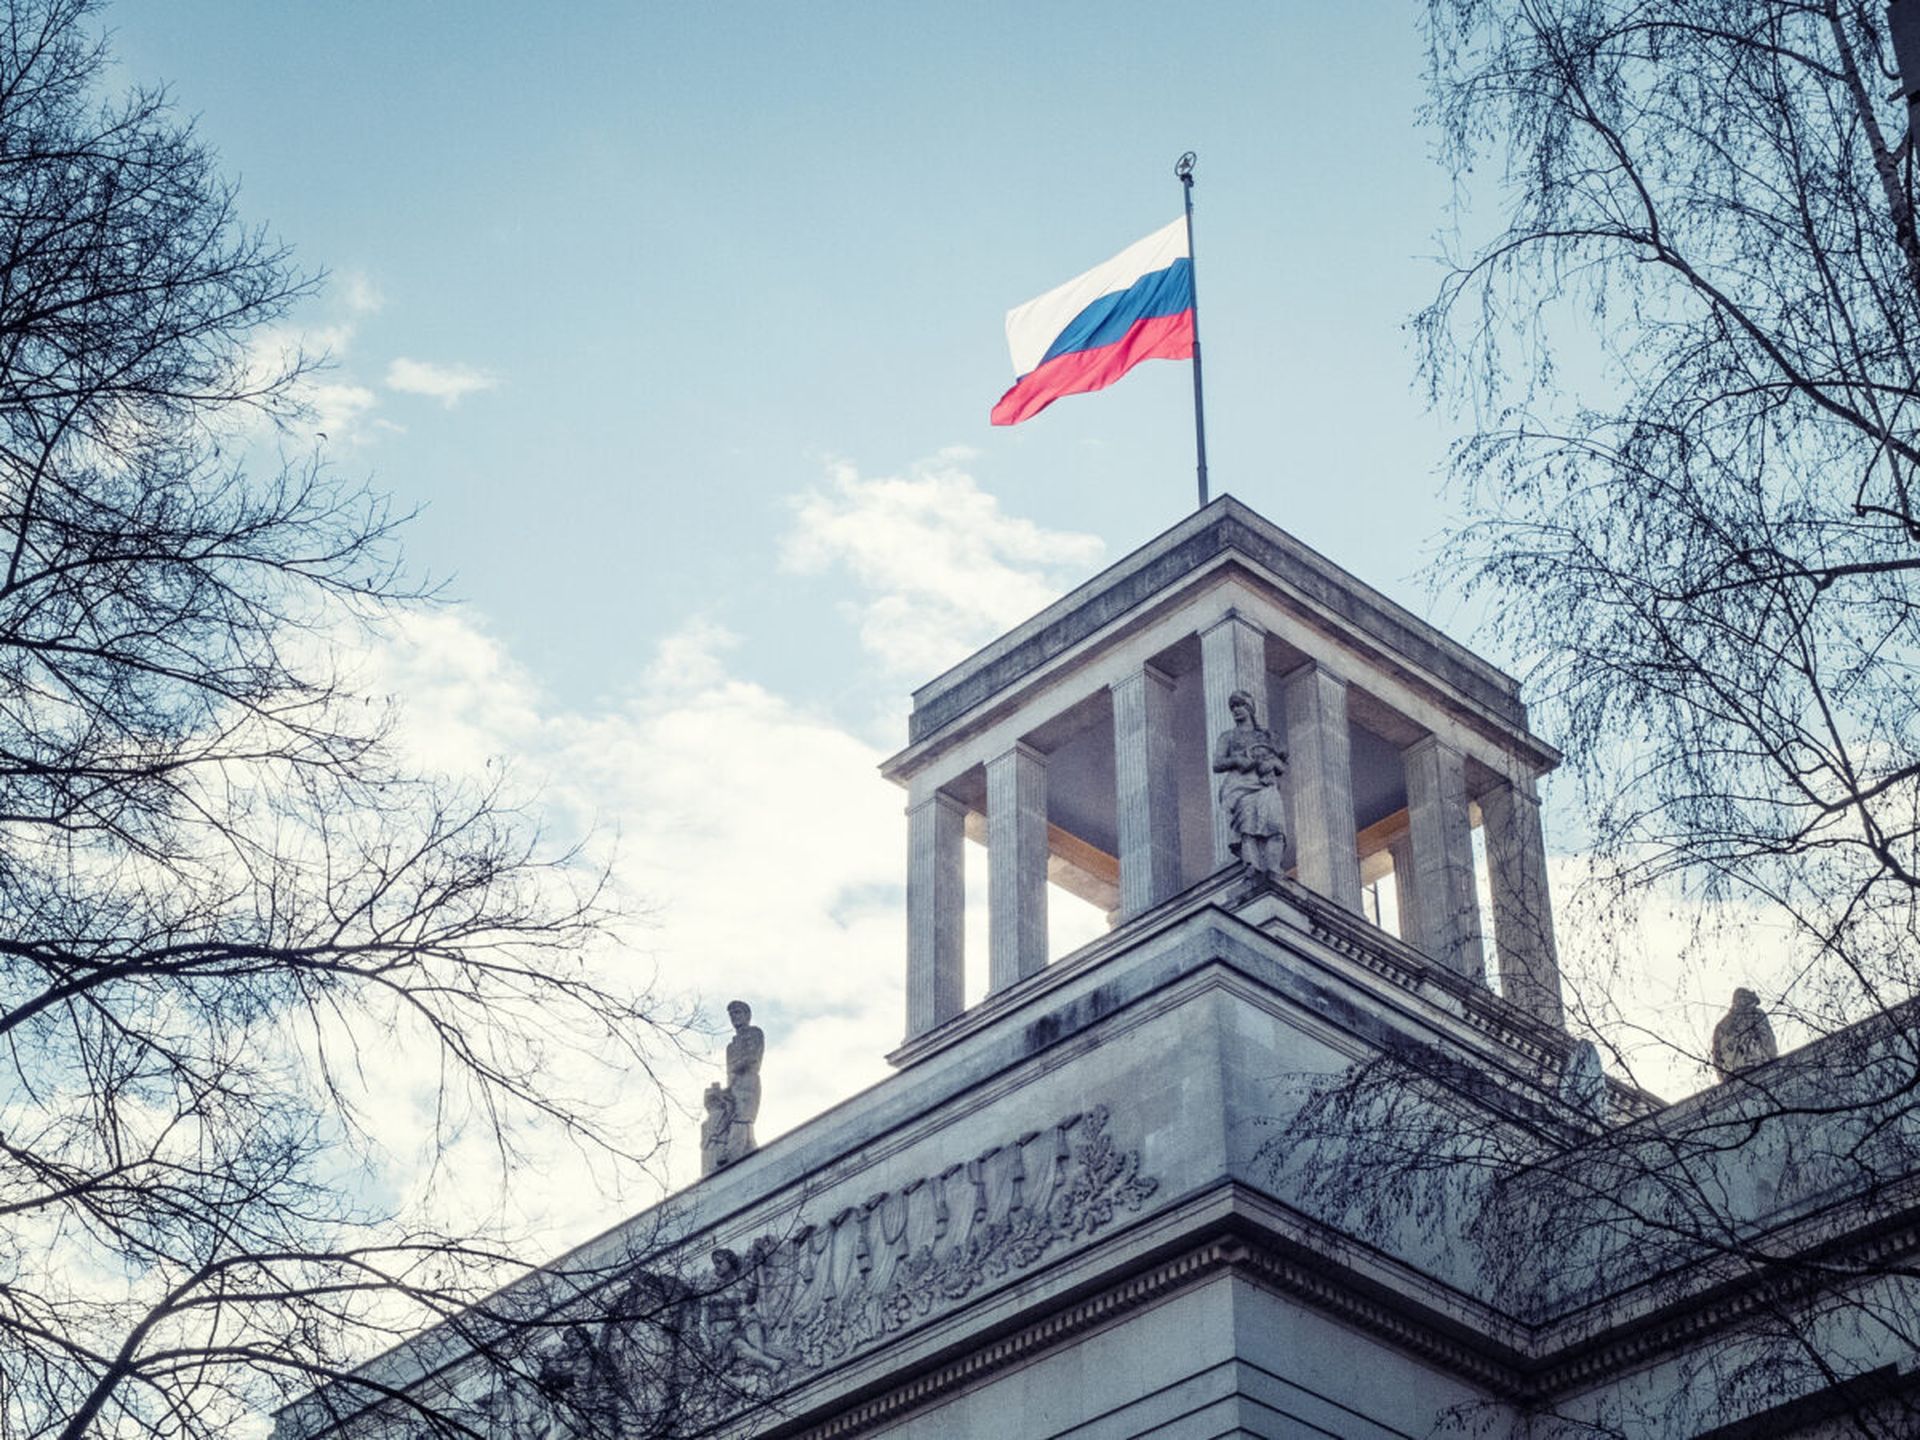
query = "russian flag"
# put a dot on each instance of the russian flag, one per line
(1092, 330)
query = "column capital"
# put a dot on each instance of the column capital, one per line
(1318, 668)
(1427, 745)
(1232, 616)
(1143, 674)
(945, 803)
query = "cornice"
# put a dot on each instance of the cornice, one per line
(1068, 1323)
(1534, 1373)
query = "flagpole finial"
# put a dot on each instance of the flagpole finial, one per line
(1183, 168)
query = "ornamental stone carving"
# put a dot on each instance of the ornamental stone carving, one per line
(879, 1267)
(797, 1302)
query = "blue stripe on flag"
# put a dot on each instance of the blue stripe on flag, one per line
(1164, 292)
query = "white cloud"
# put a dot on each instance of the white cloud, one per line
(338, 408)
(755, 831)
(1649, 969)
(689, 659)
(770, 855)
(331, 400)
(943, 567)
(359, 294)
(449, 384)
(326, 399)
(758, 835)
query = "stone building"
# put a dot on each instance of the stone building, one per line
(1295, 1148)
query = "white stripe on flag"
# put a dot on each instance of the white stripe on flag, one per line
(1034, 326)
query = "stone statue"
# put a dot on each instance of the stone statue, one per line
(716, 1131)
(1250, 766)
(1583, 1083)
(744, 1053)
(727, 1133)
(1744, 1037)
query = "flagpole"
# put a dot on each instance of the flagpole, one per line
(1184, 169)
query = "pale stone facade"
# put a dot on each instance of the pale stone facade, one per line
(1160, 1186)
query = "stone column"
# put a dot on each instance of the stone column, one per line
(1233, 656)
(1522, 912)
(1016, 866)
(1401, 851)
(1446, 914)
(1144, 798)
(1320, 778)
(936, 911)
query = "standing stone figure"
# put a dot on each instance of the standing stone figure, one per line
(744, 1053)
(727, 1133)
(1250, 766)
(1744, 1037)
(1583, 1082)
(716, 1131)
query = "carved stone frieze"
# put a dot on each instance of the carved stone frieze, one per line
(798, 1302)
(874, 1269)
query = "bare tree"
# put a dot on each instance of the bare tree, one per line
(220, 894)
(1689, 347)
(1732, 1261)
(1692, 342)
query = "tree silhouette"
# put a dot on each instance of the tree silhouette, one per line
(223, 898)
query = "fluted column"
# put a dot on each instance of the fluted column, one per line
(1233, 656)
(936, 912)
(1016, 866)
(1145, 798)
(1401, 851)
(1320, 778)
(1522, 911)
(1446, 913)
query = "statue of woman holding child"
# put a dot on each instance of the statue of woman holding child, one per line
(1250, 765)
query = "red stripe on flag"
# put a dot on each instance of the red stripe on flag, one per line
(1160, 337)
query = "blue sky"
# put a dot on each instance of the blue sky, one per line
(706, 250)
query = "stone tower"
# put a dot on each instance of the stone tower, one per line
(1135, 1190)
(1077, 748)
